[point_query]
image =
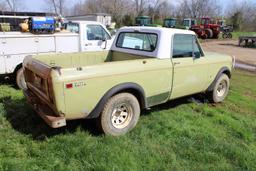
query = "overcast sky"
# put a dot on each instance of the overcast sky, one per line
(40, 6)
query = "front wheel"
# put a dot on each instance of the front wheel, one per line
(230, 35)
(220, 90)
(20, 79)
(120, 114)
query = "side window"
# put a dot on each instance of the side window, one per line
(137, 41)
(96, 32)
(183, 46)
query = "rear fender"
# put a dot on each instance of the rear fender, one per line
(132, 88)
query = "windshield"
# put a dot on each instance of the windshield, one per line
(205, 21)
(143, 21)
(170, 23)
(186, 23)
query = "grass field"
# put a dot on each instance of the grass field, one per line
(236, 35)
(180, 135)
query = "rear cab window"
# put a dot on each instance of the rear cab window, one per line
(137, 41)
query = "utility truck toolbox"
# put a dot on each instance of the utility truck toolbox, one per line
(145, 66)
(43, 23)
(15, 46)
(5, 27)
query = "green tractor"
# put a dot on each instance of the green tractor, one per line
(170, 23)
(175, 23)
(145, 21)
(188, 23)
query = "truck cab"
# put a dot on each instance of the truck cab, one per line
(170, 22)
(93, 35)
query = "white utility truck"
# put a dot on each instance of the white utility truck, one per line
(79, 36)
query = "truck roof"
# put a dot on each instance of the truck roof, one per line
(171, 31)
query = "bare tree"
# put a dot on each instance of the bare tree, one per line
(140, 6)
(243, 16)
(155, 6)
(167, 9)
(77, 9)
(3, 6)
(57, 6)
(117, 8)
(93, 6)
(13, 5)
(199, 8)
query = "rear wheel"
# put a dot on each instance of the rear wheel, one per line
(120, 114)
(220, 90)
(20, 79)
(209, 33)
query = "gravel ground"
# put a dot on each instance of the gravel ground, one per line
(230, 47)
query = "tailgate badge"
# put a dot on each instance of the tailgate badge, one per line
(75, 85)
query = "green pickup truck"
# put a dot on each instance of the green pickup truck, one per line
(145, 66)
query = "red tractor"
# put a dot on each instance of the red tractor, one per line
(206, 29)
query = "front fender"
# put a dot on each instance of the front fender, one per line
(223, 70)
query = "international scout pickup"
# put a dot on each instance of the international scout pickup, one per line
(145, 67)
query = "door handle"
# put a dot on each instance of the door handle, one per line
(176, 63)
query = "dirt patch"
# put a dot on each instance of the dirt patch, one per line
(250, 95)
(230, 47)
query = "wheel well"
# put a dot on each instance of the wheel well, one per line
(227, 72)
(224, 70)
(131, 88)
(17, 69)
(136, 93)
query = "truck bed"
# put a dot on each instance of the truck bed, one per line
(82, 59)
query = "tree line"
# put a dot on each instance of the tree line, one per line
(241, 15)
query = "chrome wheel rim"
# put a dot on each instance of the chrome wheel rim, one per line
(121, 116)
(222, 88)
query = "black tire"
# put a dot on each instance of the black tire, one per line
(220, 90)
(224, 36)
(120, 114)
(205, 36)
(20, 79)
(230, 35)
(209, 33)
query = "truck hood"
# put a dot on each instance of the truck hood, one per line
(215, 54)
(219, 56)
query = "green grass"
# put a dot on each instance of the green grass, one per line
(180, 135)
(236, 35)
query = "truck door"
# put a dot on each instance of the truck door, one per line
(16, 48)
(190, 72)
(96, 38)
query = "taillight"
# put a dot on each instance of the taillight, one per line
(69, 86)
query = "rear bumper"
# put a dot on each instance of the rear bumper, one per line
(44, 111)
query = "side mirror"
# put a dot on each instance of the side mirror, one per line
(197, 55)
(106, 43)
(113, 32)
